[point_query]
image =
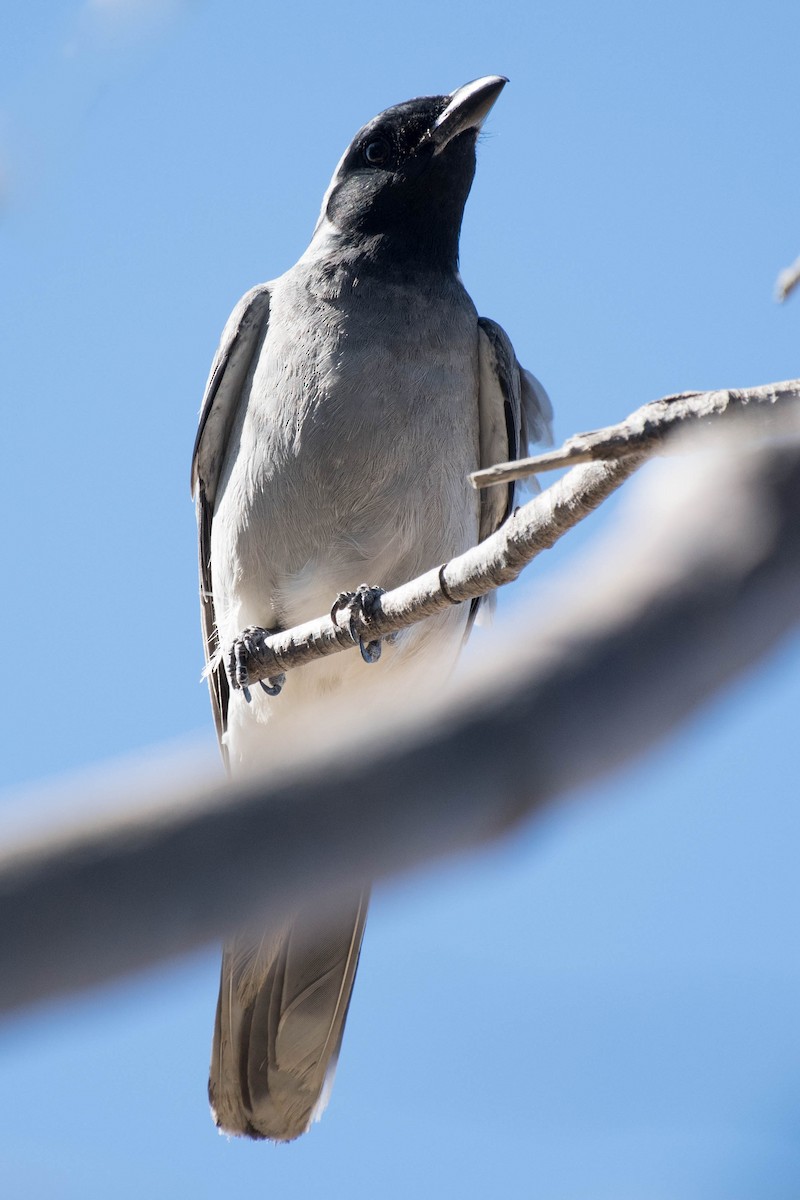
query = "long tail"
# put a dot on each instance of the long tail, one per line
(280, 1017)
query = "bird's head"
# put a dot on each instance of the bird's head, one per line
(400, 188)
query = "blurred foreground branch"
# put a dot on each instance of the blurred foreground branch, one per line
(700, 580)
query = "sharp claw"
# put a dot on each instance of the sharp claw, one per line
(240, 670)
(246, 692)
(341, 601)
(274, 685)
(363, 601)
(370, 651)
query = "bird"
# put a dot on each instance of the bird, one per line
(347, 403)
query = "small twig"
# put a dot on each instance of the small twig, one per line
(645, 431)
(787, 281)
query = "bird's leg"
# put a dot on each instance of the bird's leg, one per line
(246, 647)
(365, 601)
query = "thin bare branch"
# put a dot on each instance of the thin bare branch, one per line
(614, 454)
(787, 281)
(642, 633)
(499, 559)
(644, 432)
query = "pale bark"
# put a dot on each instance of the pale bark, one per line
(614, 454)
(499, 559)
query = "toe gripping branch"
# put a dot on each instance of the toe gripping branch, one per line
(364, 602)
(245, 648)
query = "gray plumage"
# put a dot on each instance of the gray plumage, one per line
(346, 406)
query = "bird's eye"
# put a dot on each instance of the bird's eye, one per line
(377, 152)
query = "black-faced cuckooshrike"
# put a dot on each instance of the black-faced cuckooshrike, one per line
(347, 404)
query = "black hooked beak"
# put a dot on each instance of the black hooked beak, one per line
(467, 108)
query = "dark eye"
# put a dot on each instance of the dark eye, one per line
(377, 152)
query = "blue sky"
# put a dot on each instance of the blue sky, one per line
(605, 1007)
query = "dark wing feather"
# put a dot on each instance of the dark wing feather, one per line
(514, 410)
(238, 350)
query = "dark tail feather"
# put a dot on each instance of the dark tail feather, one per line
(281, 1011)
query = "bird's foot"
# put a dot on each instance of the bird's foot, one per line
(365, 602)
(246, 647)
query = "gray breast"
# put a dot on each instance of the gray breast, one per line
(355, 437)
